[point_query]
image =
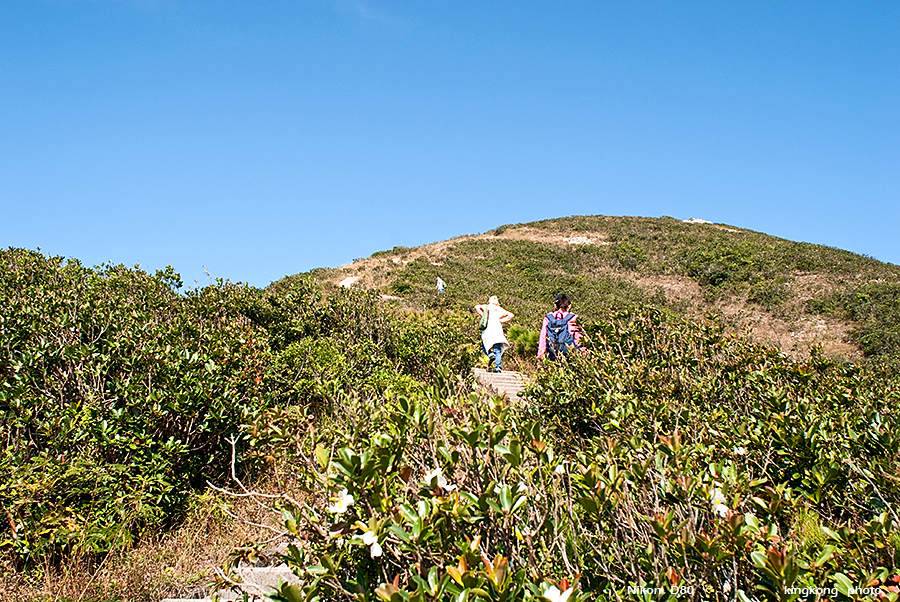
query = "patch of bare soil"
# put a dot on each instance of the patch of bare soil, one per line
(792, 331)
(676, 288)
(808, 286)
(548, 237)
(795, 334)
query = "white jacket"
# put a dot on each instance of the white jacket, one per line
(493, 334)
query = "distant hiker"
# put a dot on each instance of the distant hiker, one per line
(440, 285)
(493, 343)
(559, 330)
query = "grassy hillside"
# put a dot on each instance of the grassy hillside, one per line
(793, 295)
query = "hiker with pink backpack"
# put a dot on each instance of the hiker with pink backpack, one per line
(559, 330)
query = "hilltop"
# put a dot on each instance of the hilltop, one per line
(793, 295)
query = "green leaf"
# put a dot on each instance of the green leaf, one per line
(287, 593)
(832, 534)
(843, 583)
(399, 532)
(322, 457)
(328, 563)
(826, 555)
(759, 559)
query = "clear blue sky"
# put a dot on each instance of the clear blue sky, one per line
(260, 139)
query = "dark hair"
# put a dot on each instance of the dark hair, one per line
(562, 302)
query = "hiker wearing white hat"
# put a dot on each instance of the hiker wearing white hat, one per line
(493, 342)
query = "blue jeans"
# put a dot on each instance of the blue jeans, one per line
(552, 353)
(496, 351)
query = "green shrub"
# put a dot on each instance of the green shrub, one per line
(401, 288)
(769, 293)
(116, 398)
(416, 498)
(875, 308)
(118, 395)
(399, 251)
(524, 340)
(629, 256)
(717, 262)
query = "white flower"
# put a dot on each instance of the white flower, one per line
(341, 503)
(560, 469)
(740, 451)
(441, 481)
(553, 594)
(370, 539)
(716, 496)
(717, 499)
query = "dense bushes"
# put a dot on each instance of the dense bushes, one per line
(799, 459)
(118, 395)
(669, 462)
(429, 496)
(875, 307)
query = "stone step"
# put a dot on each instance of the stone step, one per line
(508, 383)
(256, 583)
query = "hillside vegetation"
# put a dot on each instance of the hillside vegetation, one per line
(678, 459)
(119, 396)
(793, 295)
(672, 462)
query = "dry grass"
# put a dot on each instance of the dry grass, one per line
(795, 334)
(180, 564)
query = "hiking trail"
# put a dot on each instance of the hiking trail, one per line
(506, 383)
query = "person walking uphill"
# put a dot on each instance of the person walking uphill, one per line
(493, 342)
(559, 330)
